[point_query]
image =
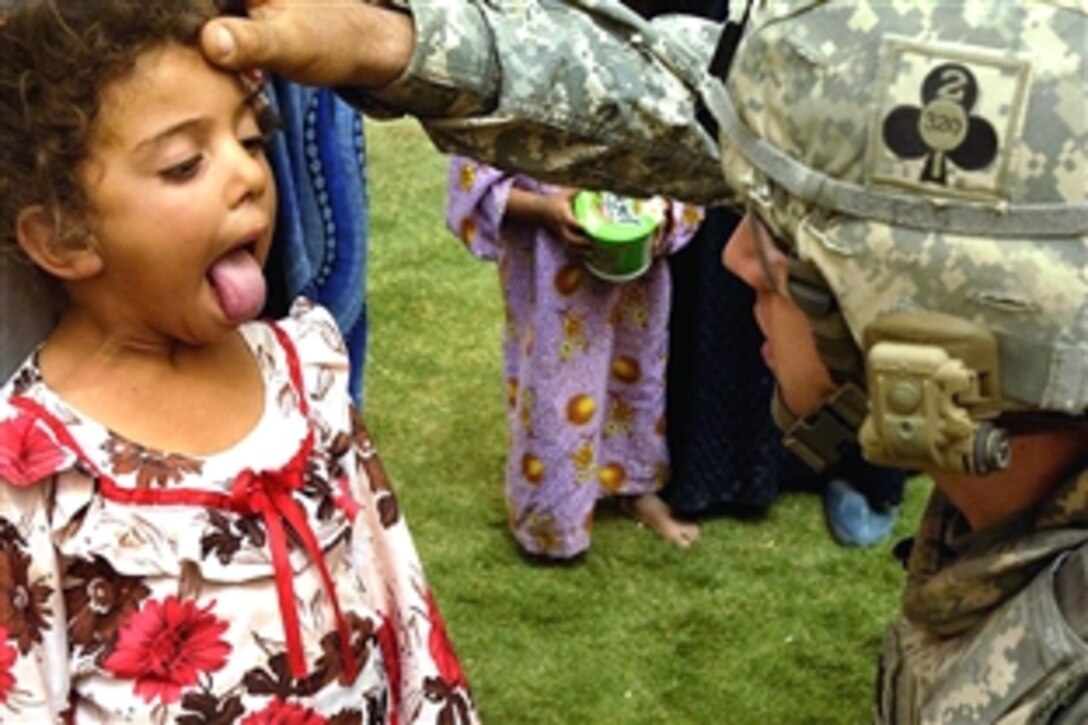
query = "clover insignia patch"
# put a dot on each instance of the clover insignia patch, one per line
(946, 120)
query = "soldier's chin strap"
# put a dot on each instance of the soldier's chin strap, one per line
(830, 433)
(827, 434)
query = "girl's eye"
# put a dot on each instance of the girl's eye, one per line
(257, 144)
(184, 171)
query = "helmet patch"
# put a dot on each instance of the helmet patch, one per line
(946, 119)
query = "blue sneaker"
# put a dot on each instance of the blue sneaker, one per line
(851, 520)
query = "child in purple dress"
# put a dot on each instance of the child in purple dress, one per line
(584, 361)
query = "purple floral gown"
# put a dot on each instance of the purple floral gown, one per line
(584, 365)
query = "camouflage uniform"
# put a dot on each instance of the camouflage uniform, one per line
(917, 156)
(996, 620)
(585, 90)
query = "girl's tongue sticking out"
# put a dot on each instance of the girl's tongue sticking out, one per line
(239, 284)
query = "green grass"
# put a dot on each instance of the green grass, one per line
(764, 621)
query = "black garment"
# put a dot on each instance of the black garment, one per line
(725, 450)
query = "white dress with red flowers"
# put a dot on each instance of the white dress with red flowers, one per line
(272, 582)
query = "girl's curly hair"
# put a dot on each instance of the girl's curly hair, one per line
(56, 57)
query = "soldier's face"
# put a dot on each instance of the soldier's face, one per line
(790, 349)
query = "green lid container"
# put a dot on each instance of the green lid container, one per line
(622, 231)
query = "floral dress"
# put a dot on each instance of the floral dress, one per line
(584, 364)
(272, 582)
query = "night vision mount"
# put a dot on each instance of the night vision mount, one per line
(934, 390)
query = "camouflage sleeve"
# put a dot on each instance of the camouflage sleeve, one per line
(579, 92)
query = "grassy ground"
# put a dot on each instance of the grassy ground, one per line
(765, 621)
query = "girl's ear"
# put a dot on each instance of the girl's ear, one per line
(42, 241)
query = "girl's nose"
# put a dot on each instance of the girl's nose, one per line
(250, 173)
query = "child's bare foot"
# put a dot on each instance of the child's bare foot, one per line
(650, 510)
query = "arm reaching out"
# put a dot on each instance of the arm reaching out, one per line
(572, 92)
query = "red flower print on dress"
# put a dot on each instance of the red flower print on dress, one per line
(279, 712)
(166, 646)
(28, 453)
(7, 662)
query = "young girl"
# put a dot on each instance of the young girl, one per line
(584, 361)
(194, 525)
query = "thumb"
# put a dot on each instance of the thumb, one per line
(236, 43)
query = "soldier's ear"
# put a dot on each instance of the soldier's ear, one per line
(42, 238)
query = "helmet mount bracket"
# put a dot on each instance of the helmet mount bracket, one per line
(934, 390)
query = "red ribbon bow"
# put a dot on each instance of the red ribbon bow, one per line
(269, 494)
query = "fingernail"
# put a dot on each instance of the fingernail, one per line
(225, 42)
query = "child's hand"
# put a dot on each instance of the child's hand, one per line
(664, 230)
(553, 212)
(561, 222)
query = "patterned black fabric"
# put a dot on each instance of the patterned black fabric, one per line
(723, 446)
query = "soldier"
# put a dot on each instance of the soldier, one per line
(917, 235)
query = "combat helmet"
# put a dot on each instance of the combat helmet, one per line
(926, 164)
